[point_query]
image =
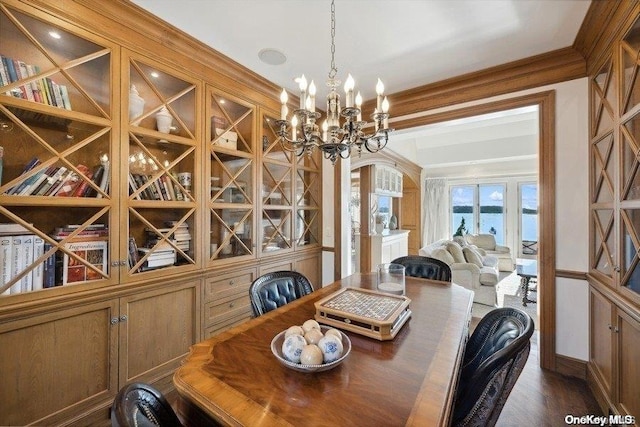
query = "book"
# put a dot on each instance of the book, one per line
(27, 253)
(133, 252)
(93, 252)
(1, 162)
(51, 181)
(31, 182)
(96, 177)
(12, 229)
(4, 74)
(38, 271)
(65, 97)
(133, 187)
(64, 180)
(17, 262)
(5, 262)
(104, 179)
(49, 274)
(34, 84)
(30, 165)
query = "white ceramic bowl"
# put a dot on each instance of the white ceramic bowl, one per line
(276, 349)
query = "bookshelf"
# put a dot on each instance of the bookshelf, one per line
(147, 186)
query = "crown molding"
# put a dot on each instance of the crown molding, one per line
(548, 68)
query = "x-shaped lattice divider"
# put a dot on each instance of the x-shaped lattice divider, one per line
(233, 124)
(603, 102)
(628, 222)
(307, 225)
(634, 54)
(164, 101)
(603, 162)
(232, 179)
(307, 190)
(278, 230)
(278, 183)
(162, 238)
(603, 232)
(232, 231)
(629, 139)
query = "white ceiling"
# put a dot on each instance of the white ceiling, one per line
(406, 43)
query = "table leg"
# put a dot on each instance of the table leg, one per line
(524, 290)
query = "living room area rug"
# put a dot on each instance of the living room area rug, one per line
(508, 296)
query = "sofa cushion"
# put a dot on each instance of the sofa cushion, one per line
(484, 241)
(443, 255)
(456, 251)
(488, 276)
(472, 256)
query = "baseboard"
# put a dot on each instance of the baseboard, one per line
(571, 367)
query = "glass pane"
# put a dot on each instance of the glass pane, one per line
(231, 233)
(630, 137)
(529, 218)
(630, 247)
(605, 252)
(276, 230)
(307, 227)
(603, 89)
(462, 206)
(492, 210)
(631, 85)
(603, 168)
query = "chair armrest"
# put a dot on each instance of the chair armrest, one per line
(465, 274)
(502, 249)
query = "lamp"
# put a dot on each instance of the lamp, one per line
(302, 134)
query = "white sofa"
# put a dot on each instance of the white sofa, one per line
(488, 243)
(469, 268)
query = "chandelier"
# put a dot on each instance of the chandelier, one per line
(342, 131)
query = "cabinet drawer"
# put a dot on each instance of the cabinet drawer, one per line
(220, 311)
(228, 286)
(226, 324)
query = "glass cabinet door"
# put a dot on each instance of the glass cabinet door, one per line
(230, 136)
(277, 197)
(162, 174)
(308, 199)
(630, 165)
(56, 118)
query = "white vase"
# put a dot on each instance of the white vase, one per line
(163, 120)
(136, 105)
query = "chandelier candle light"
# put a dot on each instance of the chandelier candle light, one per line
(302, 134)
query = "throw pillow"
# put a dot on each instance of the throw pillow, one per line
(456, 251)
(472, 257)
(443, 255)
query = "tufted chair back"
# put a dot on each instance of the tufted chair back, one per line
(493, 360)
(140, 405)
(425, 267)
(273, 290)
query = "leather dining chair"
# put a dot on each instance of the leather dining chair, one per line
(139, 405)
(493, 360)
(424, 267)
(275, 289)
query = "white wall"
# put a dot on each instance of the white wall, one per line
(572, 185)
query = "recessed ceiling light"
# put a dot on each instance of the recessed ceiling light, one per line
(55, 34)
(272, 56)
(155, 74)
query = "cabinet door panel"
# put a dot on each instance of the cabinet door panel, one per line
(159, 328)
(57, 363)
(629, 370)
(601, 354)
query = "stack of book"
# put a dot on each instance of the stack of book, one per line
(181, 236)
(44, 90)
(89, 232)
(158, 257)
(19, 248)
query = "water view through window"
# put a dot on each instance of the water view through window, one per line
(481, 207)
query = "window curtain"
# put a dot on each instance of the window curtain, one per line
(435, 209)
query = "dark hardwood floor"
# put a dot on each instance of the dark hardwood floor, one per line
(542, 398)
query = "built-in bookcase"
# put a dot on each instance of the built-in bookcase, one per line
(57, 131)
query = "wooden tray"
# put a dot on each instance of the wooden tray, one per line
(370, 313)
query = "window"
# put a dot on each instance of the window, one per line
(528, 209)
(482, 208)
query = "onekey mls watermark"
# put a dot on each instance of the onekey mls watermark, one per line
(600, 420)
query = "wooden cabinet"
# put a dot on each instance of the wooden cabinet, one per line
(178, 188)
(614, 274)
(613, 364)
(387, 247)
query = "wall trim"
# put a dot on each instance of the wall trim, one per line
(571, 367)
(570, 274)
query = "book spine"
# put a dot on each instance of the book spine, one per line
(51, 93)
(169, 186)
(30, 182)
(57, 95)
(1, 162)
(67, 178)
(40, 178)
(38, 272)
(17, 259)
(35, 88)
(93, 252)
(5, 261)
(52, 180)
(82, 181)
(27, 251)
(49, 275)
(104, 181)
(4, 73)
(64, 92)
(30, 165)
(95, 179)
(160, 188)
(176, 187)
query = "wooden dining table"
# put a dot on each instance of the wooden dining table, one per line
(234, 378)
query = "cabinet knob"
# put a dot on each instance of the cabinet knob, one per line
(610, 327)
(123, 318)
(232, 282)
(114, 320)
(616, 330)
(231, 305)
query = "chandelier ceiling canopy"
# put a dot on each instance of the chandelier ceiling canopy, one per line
(342, 131)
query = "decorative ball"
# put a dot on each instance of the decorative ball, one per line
(331, 348)
(313, 336)
(292, 348)
(294, 330)
(311, 355)
(310, 324)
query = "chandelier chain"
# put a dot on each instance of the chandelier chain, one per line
(334, 71)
